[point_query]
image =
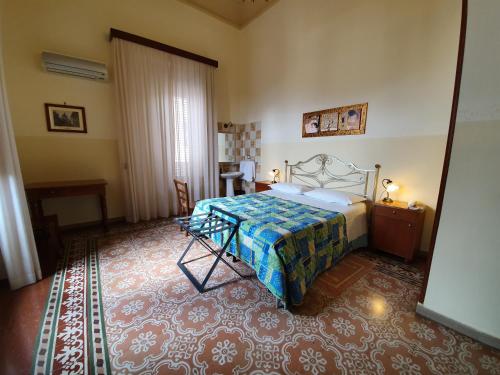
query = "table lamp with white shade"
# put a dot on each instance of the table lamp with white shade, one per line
(389, 187)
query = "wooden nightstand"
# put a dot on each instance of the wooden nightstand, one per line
(396, 229)
(262, 186)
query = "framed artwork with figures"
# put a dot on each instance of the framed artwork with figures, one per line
(350, 119)
(311, 124)
(346, 120)
(329, 121)
(65, 118)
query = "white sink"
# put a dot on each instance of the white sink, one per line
(230, 177)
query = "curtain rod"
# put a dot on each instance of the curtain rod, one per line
(114, 33)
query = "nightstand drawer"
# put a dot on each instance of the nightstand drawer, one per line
(262, 186)
(396, 229)
(397, 237)
(396, 213)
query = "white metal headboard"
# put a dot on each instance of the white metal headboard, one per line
(327, 171)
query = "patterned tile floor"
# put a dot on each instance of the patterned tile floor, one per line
(156, 322)
(363, 323)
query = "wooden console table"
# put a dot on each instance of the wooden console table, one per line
(36, 192)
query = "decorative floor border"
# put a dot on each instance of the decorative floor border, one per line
(72, 336)
(386, 264)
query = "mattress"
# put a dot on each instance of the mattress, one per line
(355, 214)
(287, 243)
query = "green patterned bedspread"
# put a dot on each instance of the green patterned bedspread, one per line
(287, 243)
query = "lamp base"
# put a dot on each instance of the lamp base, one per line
(387, 200)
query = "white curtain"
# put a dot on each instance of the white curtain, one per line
(167, 128)
(17, 242)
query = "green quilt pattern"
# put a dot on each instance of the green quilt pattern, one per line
(287, 243)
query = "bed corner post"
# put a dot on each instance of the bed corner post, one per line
(375, 182)
(286, 170)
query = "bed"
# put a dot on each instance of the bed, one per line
(289, 239)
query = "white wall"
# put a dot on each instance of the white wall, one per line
(298, 56)
(399, 56)
(81, 28)
(464, 282)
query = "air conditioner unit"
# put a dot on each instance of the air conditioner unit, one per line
(54, 62)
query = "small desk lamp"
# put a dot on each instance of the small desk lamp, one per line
(276, 175)
(389, 187)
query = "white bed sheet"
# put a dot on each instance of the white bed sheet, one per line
(355, 214)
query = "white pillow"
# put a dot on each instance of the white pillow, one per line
(335, 196)
(290, 188)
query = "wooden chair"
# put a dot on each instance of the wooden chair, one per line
(185, 208)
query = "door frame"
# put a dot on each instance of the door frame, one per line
(449, 146)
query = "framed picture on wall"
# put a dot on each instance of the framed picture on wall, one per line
(347, 120)
(310, 123)
(350, 120)
(65, 118)
(329, 121)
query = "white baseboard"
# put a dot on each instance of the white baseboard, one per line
(483, 337)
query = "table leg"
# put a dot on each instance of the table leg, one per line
(36, 215)
(104, 211)
(39, 210)
(39, 218)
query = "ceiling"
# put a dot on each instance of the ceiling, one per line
(236, 12)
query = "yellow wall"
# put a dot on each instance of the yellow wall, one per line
(399, 56)
(399, 156)
(3, 272)
(297, 57)
(80, 28)
(464, 280)
(93, 158)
